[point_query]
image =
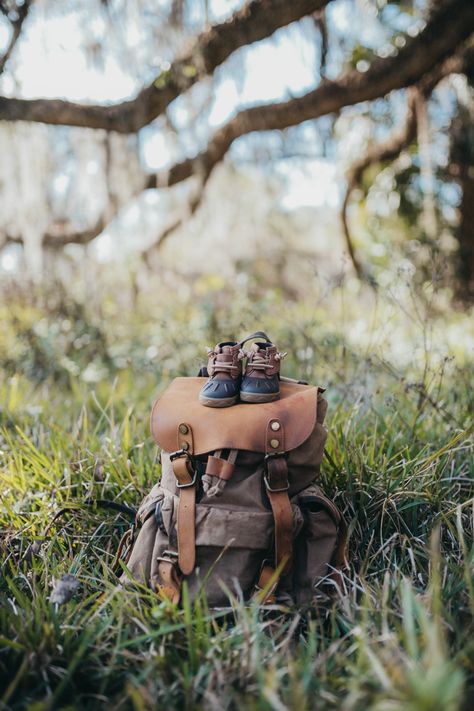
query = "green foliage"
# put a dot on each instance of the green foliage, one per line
(360, 54)
(400, 463)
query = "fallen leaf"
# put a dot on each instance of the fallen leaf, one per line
(64, 589)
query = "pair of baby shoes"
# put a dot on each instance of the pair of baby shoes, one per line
(229, 380)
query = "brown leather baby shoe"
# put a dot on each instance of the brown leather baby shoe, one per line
(225, 374)
(261, 380)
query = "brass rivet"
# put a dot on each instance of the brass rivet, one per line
(275, 443)
(275, 426)
(184, 429)
(184, 445)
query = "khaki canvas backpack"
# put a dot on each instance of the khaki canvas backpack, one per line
(238, 507)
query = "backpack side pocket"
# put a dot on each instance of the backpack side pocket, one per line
(154, 519)
(318, 546)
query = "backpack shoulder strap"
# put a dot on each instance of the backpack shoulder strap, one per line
(277, 486)
(186, 477)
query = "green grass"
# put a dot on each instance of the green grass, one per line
(75, 401)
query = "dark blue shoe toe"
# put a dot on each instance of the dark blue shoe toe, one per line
(219, 393)
(260, 386)
(220, 388)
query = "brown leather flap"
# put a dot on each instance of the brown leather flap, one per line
(242, 426)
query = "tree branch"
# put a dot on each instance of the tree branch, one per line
(418, 61)
(193, 203)
(452, 24)
(256, 20)
(379, 153)
(17, 25)
(58, 235)
(398, 141)
(321, 23)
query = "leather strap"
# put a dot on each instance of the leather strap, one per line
(126, 542)
(186, 530)
(168, 584)
(276, 482)
(340, 554)
(256, 334)
(264, 592)
(339, 560)
(218, 472)
(219, 467)
(183, 471)
(274, 436)
(186, 482)
(283, 518)
(184, 439)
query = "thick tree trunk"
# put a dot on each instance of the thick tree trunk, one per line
(462, 168)
(465, 232)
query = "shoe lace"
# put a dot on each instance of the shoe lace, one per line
(259, 361)
(219, 366)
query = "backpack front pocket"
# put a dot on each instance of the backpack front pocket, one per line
(231, 544)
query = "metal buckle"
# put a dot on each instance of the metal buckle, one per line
(273, 455)
(168, 556)
(188, 484)
(268, 457)
(275, 491)
(178, 454)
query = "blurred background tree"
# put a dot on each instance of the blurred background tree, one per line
(219, 137)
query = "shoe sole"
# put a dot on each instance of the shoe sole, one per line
(259, 397)
(218, 401)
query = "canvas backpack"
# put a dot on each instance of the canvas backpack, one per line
(238, 509)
